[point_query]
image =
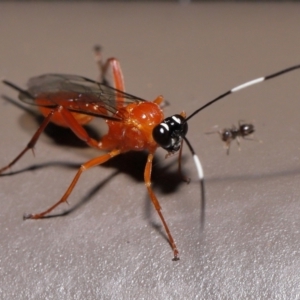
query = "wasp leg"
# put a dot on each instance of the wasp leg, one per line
(111, 74)
(147, 178)
(33, 140)
(91, 163)
(77, 128)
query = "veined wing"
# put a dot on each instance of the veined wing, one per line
(77, 94)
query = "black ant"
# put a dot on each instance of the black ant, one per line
(227, 135)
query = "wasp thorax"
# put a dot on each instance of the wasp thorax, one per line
(168, 134)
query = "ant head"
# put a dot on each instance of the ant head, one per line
(226, 135)
(169, 133)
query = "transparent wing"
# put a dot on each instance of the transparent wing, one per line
(77, 94)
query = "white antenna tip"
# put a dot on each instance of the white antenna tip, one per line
(198, 166)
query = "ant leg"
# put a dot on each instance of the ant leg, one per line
(147, 178)
(220, 132)
(214, 130)
(33, 140)
(91, 163)
(252, 139)
(238, 142)
(227, 146)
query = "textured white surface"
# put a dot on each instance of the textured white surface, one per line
(108, 248)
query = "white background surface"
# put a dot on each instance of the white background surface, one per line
(107, 247)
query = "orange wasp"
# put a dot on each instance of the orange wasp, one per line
(134, 124)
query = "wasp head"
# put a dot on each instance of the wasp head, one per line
(169, 133)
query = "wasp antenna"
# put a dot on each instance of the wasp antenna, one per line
(243, 86)
(18, 89)
(201, 181)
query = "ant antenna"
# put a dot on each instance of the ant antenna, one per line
(243, 86)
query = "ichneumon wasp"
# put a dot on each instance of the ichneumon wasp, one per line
(134, 124)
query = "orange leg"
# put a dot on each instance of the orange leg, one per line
(111, 64)
(111, 74)
(33, 140)
(147, 178)
(77, 128)
(113, 67)
(91, 163)
(72, 124)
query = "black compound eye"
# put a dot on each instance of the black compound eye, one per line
(177, 124)
(168, 134)
(162, 136)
